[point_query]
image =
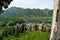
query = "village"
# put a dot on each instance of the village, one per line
(29, 20)
(28, 26)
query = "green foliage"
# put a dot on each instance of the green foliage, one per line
(36, 27)
(26, 13)
(5, 32)
(34, 35)
(19, 33)
(10, 23)
(4, 3)
(16, 31)
(20, 15)
(1, 37)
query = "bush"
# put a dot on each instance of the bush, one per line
(1, 37)
(35, 35)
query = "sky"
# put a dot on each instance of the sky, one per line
(42, 4)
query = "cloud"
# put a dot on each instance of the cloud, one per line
(32, 3)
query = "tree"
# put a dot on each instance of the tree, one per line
(23, 28)
(16, 31)
(36, 27)
(4, 3)
(13, 30)
(5, 32)
(1, 38)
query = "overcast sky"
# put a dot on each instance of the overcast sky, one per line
(32, 4)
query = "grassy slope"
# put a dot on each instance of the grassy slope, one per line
(34, 35)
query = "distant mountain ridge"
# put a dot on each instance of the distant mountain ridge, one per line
(19, 12)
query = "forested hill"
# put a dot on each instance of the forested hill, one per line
(19, 12)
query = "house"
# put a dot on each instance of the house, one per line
(48, 27)
(40, 26)
(26, 25)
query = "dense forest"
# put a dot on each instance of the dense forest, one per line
(18, 12)
(13, 24)
(15, 13)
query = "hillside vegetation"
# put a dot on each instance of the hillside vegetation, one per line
(36, 15)
(13, 20)
(34, 35)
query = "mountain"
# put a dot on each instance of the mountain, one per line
(14, 12)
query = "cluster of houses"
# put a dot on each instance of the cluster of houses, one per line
(34, 26)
